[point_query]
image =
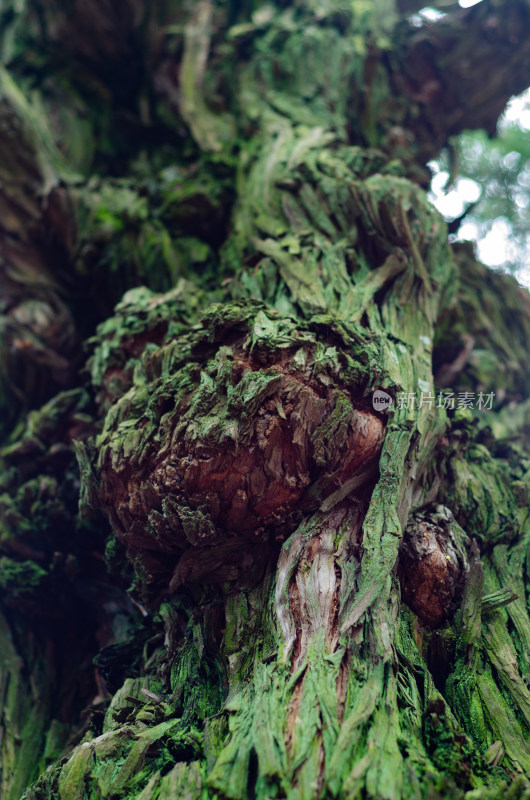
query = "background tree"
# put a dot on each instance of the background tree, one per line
(270, 588)
(491, 191)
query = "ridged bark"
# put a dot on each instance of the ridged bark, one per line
(270, 588)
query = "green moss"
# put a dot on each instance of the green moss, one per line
(20, 577)
(317, 681)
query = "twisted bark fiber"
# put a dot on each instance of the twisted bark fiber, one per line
(216, 246)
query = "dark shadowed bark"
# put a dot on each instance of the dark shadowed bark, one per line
(224, 571)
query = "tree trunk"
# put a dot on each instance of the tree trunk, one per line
(299, 567)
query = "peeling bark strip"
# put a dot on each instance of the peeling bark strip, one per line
(309, 581)
(307, 599)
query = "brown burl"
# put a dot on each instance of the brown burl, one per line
(203, 455)
(433, 566)
(212, 455)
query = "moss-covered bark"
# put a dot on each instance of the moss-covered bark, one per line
(270, 588)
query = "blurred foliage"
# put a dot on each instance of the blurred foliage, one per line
(500, 167)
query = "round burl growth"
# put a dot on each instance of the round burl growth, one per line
(432, 566)
(212, 444)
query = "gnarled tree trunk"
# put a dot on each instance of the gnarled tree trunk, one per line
(272, 587)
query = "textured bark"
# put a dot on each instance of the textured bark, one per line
(270, 588)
